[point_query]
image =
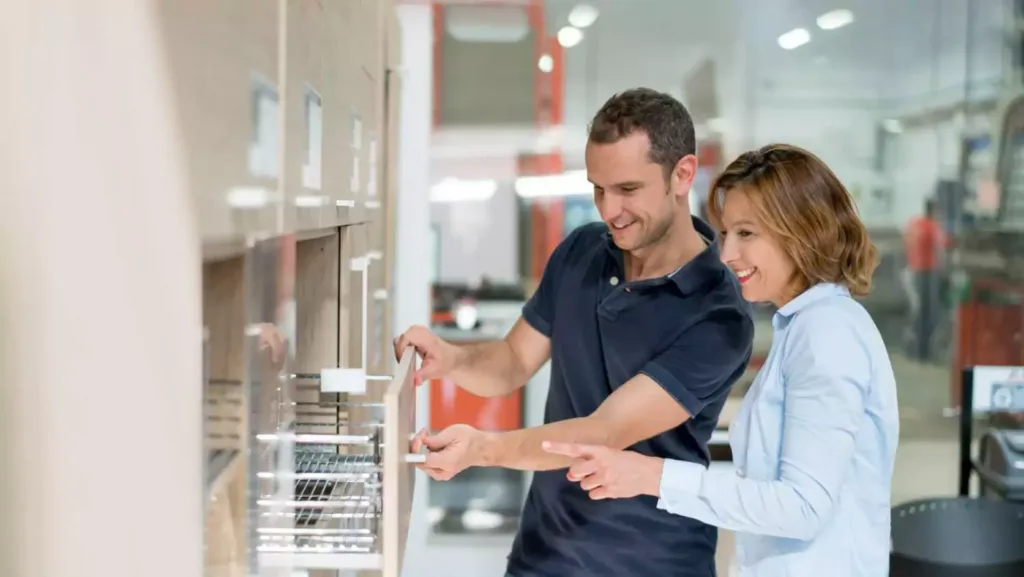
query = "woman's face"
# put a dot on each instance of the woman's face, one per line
(764, 270)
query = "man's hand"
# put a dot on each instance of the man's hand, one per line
(439, 356)
(607, 473)
(451, 451)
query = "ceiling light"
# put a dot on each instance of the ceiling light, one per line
(569, 36)
(892, 125)
(582, 16)
(573, 183)
(835, 19)
(459, 190)
(795, 38)
(546, 63)
(468, 23)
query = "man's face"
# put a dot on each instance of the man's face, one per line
(633, 195)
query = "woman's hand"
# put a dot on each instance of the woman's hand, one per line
(607, 473)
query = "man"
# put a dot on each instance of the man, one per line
(646, 331)
(923, 243)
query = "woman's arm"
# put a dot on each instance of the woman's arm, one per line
(826, 372)
(826, 376)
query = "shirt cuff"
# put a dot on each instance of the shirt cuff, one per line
(679, 479)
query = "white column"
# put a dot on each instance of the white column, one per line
(100, 305)
(412, 261)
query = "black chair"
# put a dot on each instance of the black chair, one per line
(957, 537)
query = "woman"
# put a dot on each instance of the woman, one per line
(815, 438)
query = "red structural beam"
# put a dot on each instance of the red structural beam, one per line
(547, 215)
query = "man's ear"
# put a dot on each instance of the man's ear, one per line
(683, 174)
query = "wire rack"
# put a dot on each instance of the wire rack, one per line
(332, 517)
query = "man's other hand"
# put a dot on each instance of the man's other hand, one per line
(450, 451)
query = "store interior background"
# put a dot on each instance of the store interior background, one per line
(903, 98)
(889, 94)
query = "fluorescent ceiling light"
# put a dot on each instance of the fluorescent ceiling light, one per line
(795, 38)
(892, 125)
(835, 19)
(468, 23)
(458, 190)
(546, 63)
(569, 36)
(573, 183)
(582, 16)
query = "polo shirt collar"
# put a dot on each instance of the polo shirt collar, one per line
(810, 296)
(690, 277)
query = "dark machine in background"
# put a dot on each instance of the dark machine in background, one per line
(448, 298)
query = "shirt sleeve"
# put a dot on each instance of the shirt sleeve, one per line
(706, 359)
(826, 375)
(539, 311)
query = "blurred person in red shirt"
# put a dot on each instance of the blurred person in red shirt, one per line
(924, 244)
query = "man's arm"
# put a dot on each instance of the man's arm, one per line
(638, 410)
(497, 368)
(675, 385)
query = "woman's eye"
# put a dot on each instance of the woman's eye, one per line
(745, 233)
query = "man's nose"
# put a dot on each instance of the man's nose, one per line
(610, 207)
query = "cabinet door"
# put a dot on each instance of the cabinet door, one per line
(399, 478)
(222, 61)
(308, 206)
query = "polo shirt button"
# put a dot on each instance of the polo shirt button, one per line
(614, 280)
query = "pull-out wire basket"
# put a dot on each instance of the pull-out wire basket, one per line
(336, 506)
(345, 502)
(334, 513)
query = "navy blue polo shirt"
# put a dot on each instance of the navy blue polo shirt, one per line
(692, 333)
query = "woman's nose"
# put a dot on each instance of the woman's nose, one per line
(729, 251)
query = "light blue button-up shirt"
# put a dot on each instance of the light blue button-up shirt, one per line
(813, 444)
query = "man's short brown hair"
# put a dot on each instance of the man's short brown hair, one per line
(807, 209)
(664, 120)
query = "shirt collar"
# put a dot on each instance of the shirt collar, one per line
(810, 296)
(694, 274)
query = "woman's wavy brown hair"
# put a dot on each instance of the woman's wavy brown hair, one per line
(802, 204)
